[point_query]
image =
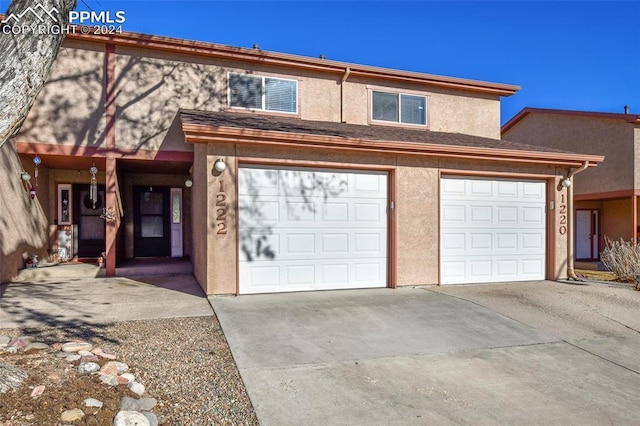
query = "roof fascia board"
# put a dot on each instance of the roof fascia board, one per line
(629, 118)
(211, 50)
(196, 133)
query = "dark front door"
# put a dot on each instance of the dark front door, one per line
(151, 221)
(91, 227)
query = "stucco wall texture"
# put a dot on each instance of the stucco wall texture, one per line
(23, 222)
(589, 135)
(416, 200)
(152, 86)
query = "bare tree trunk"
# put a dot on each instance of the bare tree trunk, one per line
(29, 44)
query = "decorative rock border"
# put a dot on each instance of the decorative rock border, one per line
(111, 373)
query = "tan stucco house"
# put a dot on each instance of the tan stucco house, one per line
(606, 197)
(273, 172)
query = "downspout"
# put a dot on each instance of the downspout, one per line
(347, 71)
(570, 222)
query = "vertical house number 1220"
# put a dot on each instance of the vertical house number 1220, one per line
(221, 209)
(562, 211)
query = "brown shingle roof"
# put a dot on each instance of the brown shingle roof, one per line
(349, 131)
(629, 118)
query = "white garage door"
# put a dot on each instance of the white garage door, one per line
(491, 230)
(304, 229)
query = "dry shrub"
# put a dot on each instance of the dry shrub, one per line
(623, 259)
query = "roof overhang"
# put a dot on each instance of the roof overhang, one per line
(202, 133)
(629, 118)
(211, 50)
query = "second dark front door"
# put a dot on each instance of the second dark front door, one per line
(91, 227)
(151, 221)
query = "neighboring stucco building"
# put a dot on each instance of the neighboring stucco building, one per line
(273, 172)
(607, 196)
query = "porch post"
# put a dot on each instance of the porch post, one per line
(634, 218)
(112, 225)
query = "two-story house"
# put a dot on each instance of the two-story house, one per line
(607, 196)
(274, 172)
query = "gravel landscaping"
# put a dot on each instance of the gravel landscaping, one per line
(184, 365)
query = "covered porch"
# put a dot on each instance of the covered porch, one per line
(111, 207)
(612, 215)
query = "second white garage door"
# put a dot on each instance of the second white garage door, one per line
(491, 230)
(306, 229)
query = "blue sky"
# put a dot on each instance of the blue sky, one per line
(582, 55)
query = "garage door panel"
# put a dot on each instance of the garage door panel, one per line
(335, 212)
(452, 187)
(506, 189)
(257, 244)
(533, 191)
(330, 232)
(453, 243)
(481, 215)
(492, 230)
(334, 244)
(370, 242)
(257, 181)
(532, 215)
(480, 188)
(453, 213)
(300, 211)
(333, 275)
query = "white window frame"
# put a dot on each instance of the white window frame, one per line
(264, 101)
(399, 95)
(65, 187)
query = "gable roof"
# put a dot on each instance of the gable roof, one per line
(240, 127)
(629, 118)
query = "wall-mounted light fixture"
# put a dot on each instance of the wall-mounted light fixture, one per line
(220, 166)
(566, 182)
(25, 176)
(188, 183)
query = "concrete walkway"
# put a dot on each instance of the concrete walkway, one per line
(69, 302)
(486, 354)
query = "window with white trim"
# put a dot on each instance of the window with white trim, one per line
(399, 108)
(263, 93)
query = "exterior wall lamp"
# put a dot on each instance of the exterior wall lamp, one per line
(25, 176)
(220, 166)
(188, 183)
(566, 182)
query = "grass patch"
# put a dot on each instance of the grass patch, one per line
(596, 275)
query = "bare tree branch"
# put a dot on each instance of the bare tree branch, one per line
(28, 48)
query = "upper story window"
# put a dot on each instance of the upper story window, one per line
(263, 93)
(399, 108)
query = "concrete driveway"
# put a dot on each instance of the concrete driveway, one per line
(528, 353)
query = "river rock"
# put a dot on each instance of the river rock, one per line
(129, 404)
(36, 347)
(88, 367)
(147, 404)
(4, 341)
(92, 402)
(153, 419)
(135, 387)
(72, 415)
(108, 379)
(130, 418)
(76, 346)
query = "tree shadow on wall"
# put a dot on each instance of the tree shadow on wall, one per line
(149, 93)
(303, 196)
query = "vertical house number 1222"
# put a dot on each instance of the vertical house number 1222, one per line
(221, 209)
